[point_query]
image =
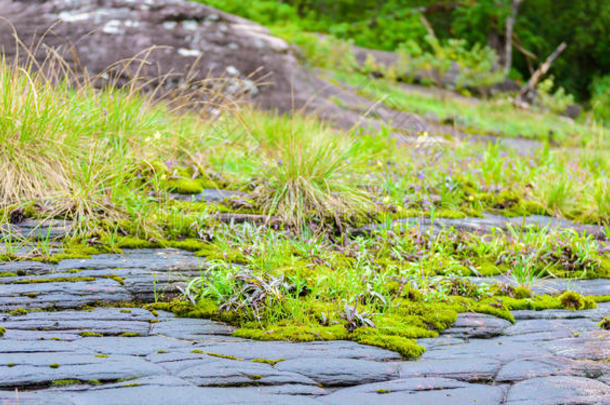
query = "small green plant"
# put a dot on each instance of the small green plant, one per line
(600, 99)
(525, 270)
(557, 101)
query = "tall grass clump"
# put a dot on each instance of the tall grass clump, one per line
(307, 169)
(73, 149)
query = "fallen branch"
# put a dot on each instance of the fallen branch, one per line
(526, 92)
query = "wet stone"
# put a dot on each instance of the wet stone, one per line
(214, 371)
(421, 391)
(591, 345)
(473, 370)
(603, 308)
(166, 359)
(338, 349)
(190, 329)
(32, 369)
(341, 372)
(61, 294)
(489, 222)
(524, 369)
(595, 287)
(211, 195)
(474, 325)
(45, 230)
(558, 390)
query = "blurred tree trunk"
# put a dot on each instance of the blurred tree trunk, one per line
(508, 42)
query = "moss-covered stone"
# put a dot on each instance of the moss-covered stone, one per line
(130, 242)
(568, 300)
(295, 333)
(63, 383)
(224, 356)
(53, 280)
(408, 348)
(129, 334)
(184, 186)
(573, 301)
(605, 323)
(268, 361)
(19, 312)
(87, 333)
(213, 252)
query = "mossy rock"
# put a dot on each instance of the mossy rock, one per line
(184, 186)
(213, 252)
(568, 300)
(63, 383)
(408, 348)
(295, 333)
(128, 242)
(574, 301)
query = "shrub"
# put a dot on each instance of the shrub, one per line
(600, 99)
(557, 101)
(450, 64)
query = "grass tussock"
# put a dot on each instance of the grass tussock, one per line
(76, 151)
(88, 154)
(308, 170)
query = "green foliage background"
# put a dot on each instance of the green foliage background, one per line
(386, 24)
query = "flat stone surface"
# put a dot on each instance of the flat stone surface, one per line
(141, 275)
(421, 391)
(546, 357)
(37, 230)
(555, 286)
(473, 370)
(211, 195)
(475, 325)
(488, 222)
(559, 390)
(341, 372)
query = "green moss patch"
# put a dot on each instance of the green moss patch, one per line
(129, 334)
(63, 383)
(88, 333)
(268, 361)
(224, 356)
